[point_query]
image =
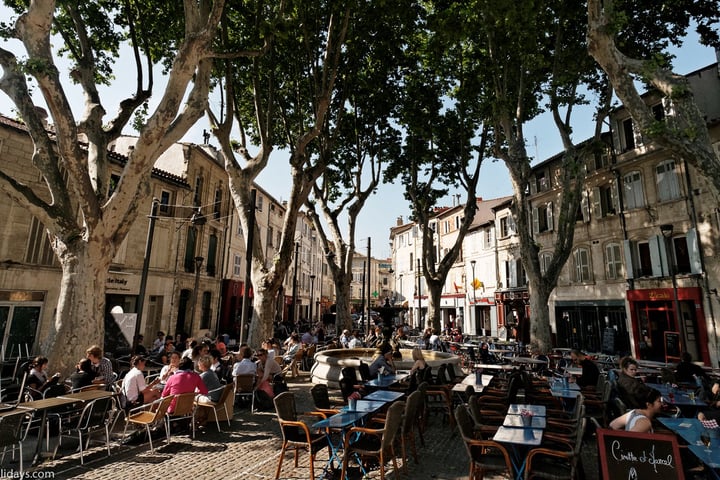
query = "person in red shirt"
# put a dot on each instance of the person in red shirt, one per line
(185, 380)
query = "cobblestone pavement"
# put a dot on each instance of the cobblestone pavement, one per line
(249, 450)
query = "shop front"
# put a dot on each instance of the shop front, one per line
(592, 326)
(656, 322)
(513, 310)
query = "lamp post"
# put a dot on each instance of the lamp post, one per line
(667, 231)
(295, 272)
(312, 297)
(472, 282)
(145, 268)
(419, 275)
(198, 220)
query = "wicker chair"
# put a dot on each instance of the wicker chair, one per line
(245, 389)
(221, 405)
(321, 399)
(558, 458)
(486, 456)
(374, 443)
(296, 434)
(407, 430)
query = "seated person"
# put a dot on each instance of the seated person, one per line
(712, 412)
(345, 338)
(38, 380)
(246, 365)
(267, 368)
(419, 359)
(170, 368)
(631, 390)
(159, 342)
(383, 362)
(687, 371)
(218, 367)
(640, 419)
(134, 387)
(83, 375)
(185, 380)
(590, 371)
(210, 379)
(354, 341)
(293, 347)
(101, 366)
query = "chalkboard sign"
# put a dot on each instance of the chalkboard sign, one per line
(672, 346)
(638, 456)
(608, 345)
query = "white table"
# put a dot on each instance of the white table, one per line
(471, 380)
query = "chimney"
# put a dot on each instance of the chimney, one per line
(399, 221)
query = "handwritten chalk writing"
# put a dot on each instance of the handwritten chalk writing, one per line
(624, 455)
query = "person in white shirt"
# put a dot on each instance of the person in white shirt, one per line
(354, 341)
(245, 365)
(159, 342)
(134, 387)
(345, 338)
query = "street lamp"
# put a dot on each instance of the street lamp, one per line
(198, 220)
(312, 297)
(472, 282)
(145, 268)
(667, 231)
(419, 275)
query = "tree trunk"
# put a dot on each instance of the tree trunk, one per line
(261, 324)
(342, 303)
(540, 333)
(433, 313)
(82, 296)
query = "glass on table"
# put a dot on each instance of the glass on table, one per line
(705, 439)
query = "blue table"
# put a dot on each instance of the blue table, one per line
(520, 440)
(516, 421)
(516, 408)
(339, 422)
(384, 396)
(366, 406)
(689, 429)
(677, 396)
(385, 381)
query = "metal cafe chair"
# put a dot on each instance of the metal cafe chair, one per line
(96, 415)
(13, 430)
(149, 416)
(221, 405)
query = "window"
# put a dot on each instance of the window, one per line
(605, 200)
(545, 260)
(458, 222)
(541, 181)
(507, 226)
(633, 190)
(628, 135)
(412, 264)
(165, 199)
(237, 265)
(197, 196)
(543, 218)
(39, 251)
(613, 262)
(658, 111)
(217, 206)
(259, 203)
(581, 263)
(489, 238)
(270, 237)
(515, 273)
(189, 262)
(211, 255)
(239, 230)
(668, 184)
(447, 226)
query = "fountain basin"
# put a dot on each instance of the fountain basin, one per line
(329, 363)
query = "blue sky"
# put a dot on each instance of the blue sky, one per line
(383, 208)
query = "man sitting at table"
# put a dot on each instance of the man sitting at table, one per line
(134, 387)
(383, 363)
(101, 365)
(83, 375)
(590, 371)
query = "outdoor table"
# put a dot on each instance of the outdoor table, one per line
(339, 422)
(575, 371)
(676, 396)
(384, 396)
(528, 360)
(365, 406)
(520, 440)
(516, 421)
(516, 408)
(689, 429)
(385, 381)
(471, 380)
(494, 366)
(87, 396)
(44, 405)
(559, 389)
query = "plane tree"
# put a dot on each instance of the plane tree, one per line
(629, 40)
(292, 99)
(86, 217)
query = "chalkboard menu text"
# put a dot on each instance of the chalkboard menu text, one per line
(638, 456)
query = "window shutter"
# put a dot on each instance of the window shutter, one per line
(585, 207)
(629, 264)
(658, 256)
(694, 251)
(617, 128)
(596, 203)
(513, 274)
(535, 220)
(550, 218)
(614, 197)
(533, 186)
(637, 134)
